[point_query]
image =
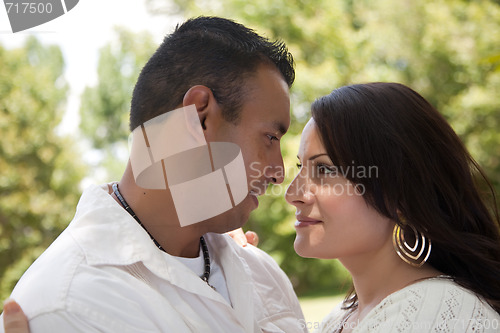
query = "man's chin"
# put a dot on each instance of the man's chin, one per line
(232, 219)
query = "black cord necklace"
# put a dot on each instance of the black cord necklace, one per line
(204, 247)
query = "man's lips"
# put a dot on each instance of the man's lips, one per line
(253, 194)
(303, 221)
(258, 191)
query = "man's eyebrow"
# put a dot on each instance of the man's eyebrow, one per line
(278, 126)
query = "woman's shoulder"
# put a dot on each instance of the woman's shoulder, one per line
(437, 304)
(432, 305)
(333, 321)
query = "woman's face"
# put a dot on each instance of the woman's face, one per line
(333, 219)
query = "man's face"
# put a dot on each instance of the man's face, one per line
(263, 120)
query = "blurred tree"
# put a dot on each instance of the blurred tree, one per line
(448, 50)
(105, 107)
(40, 170)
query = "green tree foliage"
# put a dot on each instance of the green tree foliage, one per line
(40, 170)
(105, 107)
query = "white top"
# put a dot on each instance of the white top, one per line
(104, 274)
(432, 305)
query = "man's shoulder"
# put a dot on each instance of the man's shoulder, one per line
(274, 300)
(251, 255)
(44, 285)
(260, 266)
(62, 282)
(255, 256)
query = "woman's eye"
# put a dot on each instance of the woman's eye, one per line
(299, 166)
(326, 170)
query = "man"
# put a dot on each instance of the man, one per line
(128, 262)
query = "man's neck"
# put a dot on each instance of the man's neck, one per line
(156, 211)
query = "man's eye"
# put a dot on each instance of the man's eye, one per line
(272, 137)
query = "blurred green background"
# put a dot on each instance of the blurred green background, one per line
(448, 50)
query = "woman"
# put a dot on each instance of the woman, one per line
(387, 187)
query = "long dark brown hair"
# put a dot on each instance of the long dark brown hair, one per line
(424, 172)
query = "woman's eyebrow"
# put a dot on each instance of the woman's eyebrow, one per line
(316, 156)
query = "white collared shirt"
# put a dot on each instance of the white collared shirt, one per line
(216, 278)
(104, 274)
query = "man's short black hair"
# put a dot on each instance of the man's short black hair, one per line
(211, 51)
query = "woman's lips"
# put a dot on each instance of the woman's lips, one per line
(305, 221)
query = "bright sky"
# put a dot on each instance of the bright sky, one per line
(80, 33)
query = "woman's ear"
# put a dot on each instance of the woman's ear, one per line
(206, 105)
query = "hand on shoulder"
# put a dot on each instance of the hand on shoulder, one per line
(14, 319)
(241, 238)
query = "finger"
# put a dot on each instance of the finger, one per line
(14, 319)
(252, 238)
(238, 236)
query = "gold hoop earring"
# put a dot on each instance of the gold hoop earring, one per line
(415, 255)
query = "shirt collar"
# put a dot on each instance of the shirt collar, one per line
(108, 235)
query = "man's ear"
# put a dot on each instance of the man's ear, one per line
(206, 105)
